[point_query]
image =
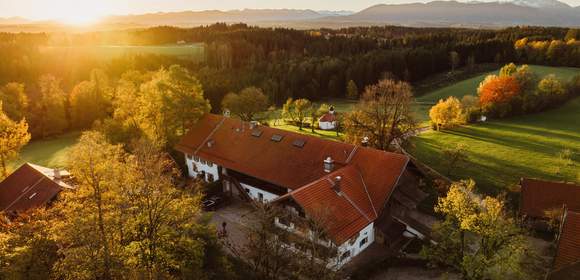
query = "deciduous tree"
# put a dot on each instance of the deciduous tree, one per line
(496, 93)
(479, 239)
(351, 90)
(13, 136)
(297, 111)
(47, 108)
(169, 104)
(454, 157)
(247, 104)
(15, 101)
(383, 114)
(447, 113)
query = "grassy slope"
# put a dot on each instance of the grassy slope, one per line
(49, 152)
(500, 152)
(469, 87)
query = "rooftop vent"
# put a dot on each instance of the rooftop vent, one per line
(299, 143)
(328, 165)
(257, 133)
(365, 141)
(210, 143)
(253, 124)
(336, 184)
(277, 137)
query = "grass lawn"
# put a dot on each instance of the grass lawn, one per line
(501, 152)
(329, 135)
(340, 105)
(49, 152)
(469, 87)
(194, 52)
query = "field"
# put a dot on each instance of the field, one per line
(49, 152)
(469, 87)
(193, 52)
(501, 152)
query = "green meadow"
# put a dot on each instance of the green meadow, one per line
(500, 152)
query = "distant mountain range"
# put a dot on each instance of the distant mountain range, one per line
(452, 13)
(436, 13)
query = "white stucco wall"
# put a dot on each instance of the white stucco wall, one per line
(255, 193)
(327, 125)
(355, 248)
(208, 167)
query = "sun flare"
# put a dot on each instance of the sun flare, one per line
(76, 12)
(79, 19)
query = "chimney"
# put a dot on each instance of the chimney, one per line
(336, 184)
(253, 124)
(328, 165)
(365, 141)
(331, 110)
(226, 113)
(210, 143)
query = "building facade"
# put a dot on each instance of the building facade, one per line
(344, 187)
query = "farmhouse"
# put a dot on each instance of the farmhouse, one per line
(358, 195)
(538, 197)
(328, 120)
(31, 186)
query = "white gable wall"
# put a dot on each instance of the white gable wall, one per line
(196, 166)
(365, 238)
(256, 192)
(327, 125)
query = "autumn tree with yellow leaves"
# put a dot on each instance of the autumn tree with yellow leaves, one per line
(13, 136)
(479, 239)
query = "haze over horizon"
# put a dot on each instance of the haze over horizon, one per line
(82, 11)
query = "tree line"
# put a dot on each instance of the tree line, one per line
(285, 63)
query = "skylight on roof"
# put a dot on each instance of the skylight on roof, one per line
(257, 133)
(277, 137)
(299, 143)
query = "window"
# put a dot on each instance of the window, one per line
(189, 157)
(277, 137)
(363, 242)
(248, 190)
(194, 166)
(261, 196)
(299, 143)
(210, 164)
(345, 255)
(257, 133)
(195, 158)
(210, 178)
(202, 161)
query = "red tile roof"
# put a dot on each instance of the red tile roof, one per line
(27, 188)
(328, 117)
(568, 251)
(368, 176)
(538, 196)
(280, 163)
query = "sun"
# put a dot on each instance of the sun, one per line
(77, 12)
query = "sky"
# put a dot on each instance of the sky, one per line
(89, 10)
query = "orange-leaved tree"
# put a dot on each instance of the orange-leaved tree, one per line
(496, 93)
